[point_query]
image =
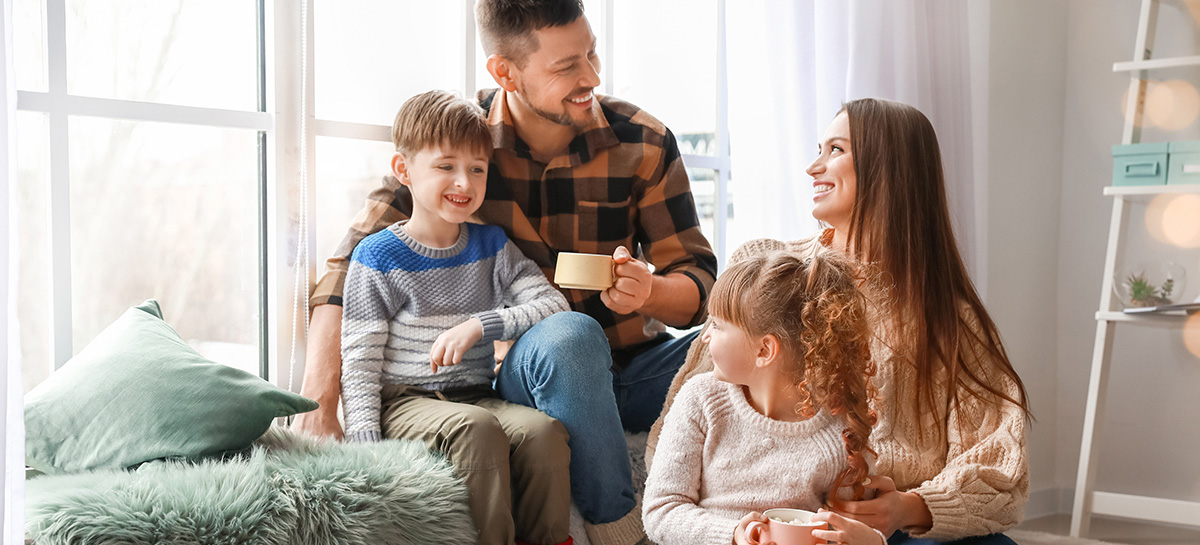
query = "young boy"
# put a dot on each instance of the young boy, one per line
(424, 299)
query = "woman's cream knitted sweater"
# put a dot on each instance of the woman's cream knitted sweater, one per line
(973, 475)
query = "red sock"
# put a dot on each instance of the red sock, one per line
(569, 541)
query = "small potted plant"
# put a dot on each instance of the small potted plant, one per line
(1144, 294)
(1150, 285)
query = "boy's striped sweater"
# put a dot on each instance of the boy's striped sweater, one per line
(400, 295)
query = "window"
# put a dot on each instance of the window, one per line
(140, 170)
(682, 84)
(365, 68)
(158, 158)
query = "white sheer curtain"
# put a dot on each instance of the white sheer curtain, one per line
(792, 63)
(12, 480)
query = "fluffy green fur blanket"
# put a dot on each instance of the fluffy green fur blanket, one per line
(285, 490)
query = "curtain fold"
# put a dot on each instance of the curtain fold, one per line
(12, 479)
(791, 66)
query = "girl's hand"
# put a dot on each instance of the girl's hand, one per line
(452, 344)
(846, 530)
(739, 533)
(891, 509)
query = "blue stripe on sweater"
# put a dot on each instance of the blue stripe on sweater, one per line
(384, 251)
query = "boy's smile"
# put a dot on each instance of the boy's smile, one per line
(459, 200)
(447, 185)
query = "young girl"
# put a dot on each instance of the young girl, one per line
(783, 418)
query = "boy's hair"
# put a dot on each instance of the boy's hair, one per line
(506, 26)
(816, 310)
(437, 117)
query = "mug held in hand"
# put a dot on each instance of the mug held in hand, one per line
(785, 527)
(583, 271)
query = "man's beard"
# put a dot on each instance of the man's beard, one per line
(560, 118)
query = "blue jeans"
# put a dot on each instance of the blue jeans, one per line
(558, 367)
(641, 388)
(901, 538)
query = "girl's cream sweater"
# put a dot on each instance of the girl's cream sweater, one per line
(720, 459)
(970, 467)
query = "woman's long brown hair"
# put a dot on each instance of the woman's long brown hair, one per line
(815, 309)
(900, 224)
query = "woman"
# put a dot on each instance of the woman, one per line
(952, 411)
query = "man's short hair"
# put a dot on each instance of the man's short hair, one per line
(438, 117)
(506, 26)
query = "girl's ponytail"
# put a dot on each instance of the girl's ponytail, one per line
(837, 362)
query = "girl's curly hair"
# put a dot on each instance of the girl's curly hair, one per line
(815, 308)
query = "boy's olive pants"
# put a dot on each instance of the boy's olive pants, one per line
(513, 459)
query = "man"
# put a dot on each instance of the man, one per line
(577, 173)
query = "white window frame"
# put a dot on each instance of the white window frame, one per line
(58, 105)
(279, 123)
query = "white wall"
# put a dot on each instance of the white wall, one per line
(1151, 433)
(1053, 113)
(1026, 82)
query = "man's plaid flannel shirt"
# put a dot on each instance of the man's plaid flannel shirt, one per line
(620, 182)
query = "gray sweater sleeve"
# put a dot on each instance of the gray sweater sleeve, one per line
(528, 296)
(369, 302)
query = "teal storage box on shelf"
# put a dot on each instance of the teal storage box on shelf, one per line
(1140, 164)
(1184, 162)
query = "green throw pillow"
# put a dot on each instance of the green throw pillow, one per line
(139, 393)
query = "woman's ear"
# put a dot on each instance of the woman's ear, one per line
(768, 350)
(503, 72)
(400, 168)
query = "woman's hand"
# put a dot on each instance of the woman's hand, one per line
(452, 344)
(891, 509)
(845, 530)
(739, 533)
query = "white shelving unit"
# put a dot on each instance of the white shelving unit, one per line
(1088, 501)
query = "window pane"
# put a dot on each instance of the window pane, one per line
(347, 170)
(33, 280)
(29, 44)
(166, 51)
(372, 55)
(677, 84)
(736, 234)
(704, 192)
(592, 9)
(169, 212)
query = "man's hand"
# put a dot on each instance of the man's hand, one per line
(845, 530)
(891, 509)
(631, 286)
(322, 373)
(739, 534)
(452, 344)
(319, 423)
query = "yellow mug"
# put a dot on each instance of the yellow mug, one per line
(584, 271)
